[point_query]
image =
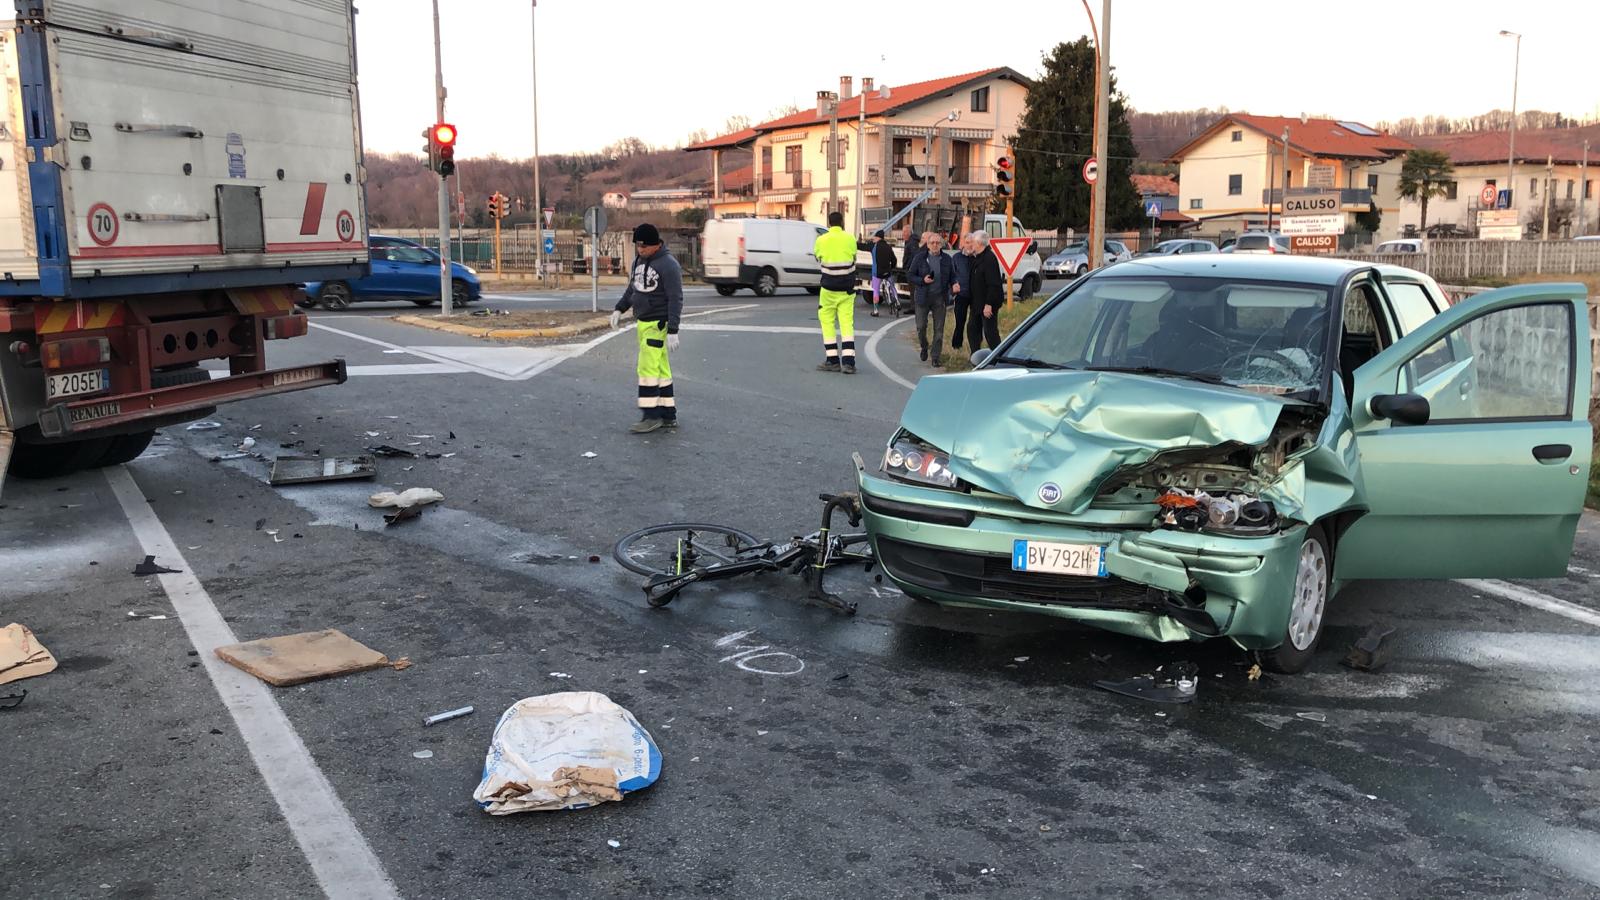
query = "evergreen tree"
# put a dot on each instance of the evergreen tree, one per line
(1058, 136)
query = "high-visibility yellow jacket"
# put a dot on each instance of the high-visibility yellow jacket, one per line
(836, 251)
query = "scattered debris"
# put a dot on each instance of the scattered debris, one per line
(401, 664)
(613, 844)
(309, 469)
(1179, 687)
(204, 426)
(154, 617)
(22, 656)
(841, 676)
(1311, 716)
(1021, 659)
(228, 457)
(417, 496)
(387, 451)
(403, 514)
(248, 443)
(1044, 827)
(1371, 652)
(1255, 672)
(423, 754)
(255, 427)
(594, 557)
(565, 751)
(589, 454)
(298, 658)
(149, 567)
(447, 716)
(559, 675)
(12, 701)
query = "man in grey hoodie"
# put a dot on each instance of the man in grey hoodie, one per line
(655, 294)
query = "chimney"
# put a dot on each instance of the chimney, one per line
(845, 84)
(824, 101)
(866, 86)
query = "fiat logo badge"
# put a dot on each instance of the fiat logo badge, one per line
(1050, 493)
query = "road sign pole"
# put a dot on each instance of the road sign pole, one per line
(594, 273)
(1011, 200)
(497, 254)
(444, 196)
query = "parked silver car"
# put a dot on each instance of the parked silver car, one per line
(1264, 242)
(1181, 245)
(1073, 259)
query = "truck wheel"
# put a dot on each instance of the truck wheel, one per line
(126, 448)
(726, 290)
(459, 294)
(36, 461)
(1030, 286)
(766, 284)
(1308, 605)
(335, 296)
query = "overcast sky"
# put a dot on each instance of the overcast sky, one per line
(660, 70)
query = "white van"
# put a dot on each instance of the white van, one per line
(761, 254)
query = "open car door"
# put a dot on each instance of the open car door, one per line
(1492, 484)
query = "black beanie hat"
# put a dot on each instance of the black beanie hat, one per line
(646, 234)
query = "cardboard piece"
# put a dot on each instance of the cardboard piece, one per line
(21, 655)
(298, 658)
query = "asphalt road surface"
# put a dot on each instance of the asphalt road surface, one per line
(906, 752)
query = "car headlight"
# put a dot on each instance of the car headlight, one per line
(914, 460)
(1227, 513)
(470, 269)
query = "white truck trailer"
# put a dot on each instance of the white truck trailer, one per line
(170, 172)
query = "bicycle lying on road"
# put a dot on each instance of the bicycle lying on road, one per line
(676, 555)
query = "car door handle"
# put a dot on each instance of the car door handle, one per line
(1466, 388)
(1549, 453)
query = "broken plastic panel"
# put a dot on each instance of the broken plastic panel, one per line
(311, 469)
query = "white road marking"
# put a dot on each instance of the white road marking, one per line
(384, 370)
(1529, 597)
(340, 857)
(812, 330)
(877, 361)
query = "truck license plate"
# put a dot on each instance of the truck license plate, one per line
(1059, 559)
(74, 383)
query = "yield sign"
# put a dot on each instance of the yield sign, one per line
(1010, 251)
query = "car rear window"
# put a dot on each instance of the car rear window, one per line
(1253, 242)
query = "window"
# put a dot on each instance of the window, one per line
(1411, 303)
(844, 147)
(1195, 203)
(1372, 183)
(793, 158)
(402, 253)
(1237, 136)
(980, 100)
(1588, 190)
(1235, 185)
(1533, 187)
(793, 211)
(1450, 190)
(1517, 366)
(1572, 185)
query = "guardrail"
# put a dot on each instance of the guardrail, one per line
(1461, 259)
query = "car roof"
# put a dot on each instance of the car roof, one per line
(1303, 269)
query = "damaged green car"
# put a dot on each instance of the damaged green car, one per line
(1185, 448)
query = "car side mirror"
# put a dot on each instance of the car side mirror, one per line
(979, 357)
(1033, 247)
(1406, 409)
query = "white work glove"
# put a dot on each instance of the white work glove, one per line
(672, 342)
(616, 319)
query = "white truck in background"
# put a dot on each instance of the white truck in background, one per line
(170, 172)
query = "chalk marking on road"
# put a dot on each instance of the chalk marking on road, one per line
(745, 654)
(341, 859)
(877, 361)
(1529, 597)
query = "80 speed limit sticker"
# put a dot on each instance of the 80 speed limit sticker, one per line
(345, 225)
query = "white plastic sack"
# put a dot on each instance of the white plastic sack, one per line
(565, 751)
(405, 499)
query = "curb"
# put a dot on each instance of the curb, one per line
(503, 334)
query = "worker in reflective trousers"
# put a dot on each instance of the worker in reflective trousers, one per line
(655, 294)
(836, 308)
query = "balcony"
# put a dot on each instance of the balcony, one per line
(786, 181)
(1361, 197)
(920, 174)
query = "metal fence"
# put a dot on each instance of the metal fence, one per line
(1462, 260)
(571, 256)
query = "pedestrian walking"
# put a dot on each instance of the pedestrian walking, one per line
(883, 263)
(983, 323)
(932, 276)
(836, 302)
(961, 291)
(655, 295)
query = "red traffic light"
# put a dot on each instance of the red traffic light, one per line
(444, 134)
(1003, 163)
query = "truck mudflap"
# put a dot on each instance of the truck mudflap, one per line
(99, 413)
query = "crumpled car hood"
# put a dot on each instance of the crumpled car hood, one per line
(1011, 431)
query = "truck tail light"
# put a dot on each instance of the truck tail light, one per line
(75, 353)
(279, 327)
(741, 251)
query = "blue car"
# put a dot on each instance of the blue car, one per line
(401, 270)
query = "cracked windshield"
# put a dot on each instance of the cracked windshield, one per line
(1259, 336)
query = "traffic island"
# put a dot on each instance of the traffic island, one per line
(500, 325)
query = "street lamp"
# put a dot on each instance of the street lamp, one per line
(1511, 156)
(537, 204)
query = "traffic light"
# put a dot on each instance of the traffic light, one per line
(1004, 177)
(443, 137)
(430, 150)
(499, 205)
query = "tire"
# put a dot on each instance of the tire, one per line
(1030, 286)
(634, 563)
(1082, 271)
(726, 290)
(335, 296)
(39, 461)
(424, 302)
(766, 284)
(1308, 605)
(460, 294)
(126, 448)
(813, 291)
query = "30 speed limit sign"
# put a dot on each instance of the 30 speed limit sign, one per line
(103, 224)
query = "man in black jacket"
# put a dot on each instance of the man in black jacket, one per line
(988, 294)
(883, 265)
(655, 294)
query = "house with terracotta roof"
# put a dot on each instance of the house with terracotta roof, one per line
(1232, 175)
(894, 143)
(1551, 166)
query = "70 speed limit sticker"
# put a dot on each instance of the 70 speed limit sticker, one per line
(104, 226)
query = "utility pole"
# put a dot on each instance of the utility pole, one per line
(1102, 115)
(1272, 184)
(833, 153)
(1549, 186)
(444, 192)
(1583, 191)
(538, 201)
(1285, 204)
(1511, 156)
(861, 151)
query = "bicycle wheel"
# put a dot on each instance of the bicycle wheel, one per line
(654, 550)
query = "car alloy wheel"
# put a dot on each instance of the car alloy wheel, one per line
(1310, 595)
(766, 285)
(459, 294)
